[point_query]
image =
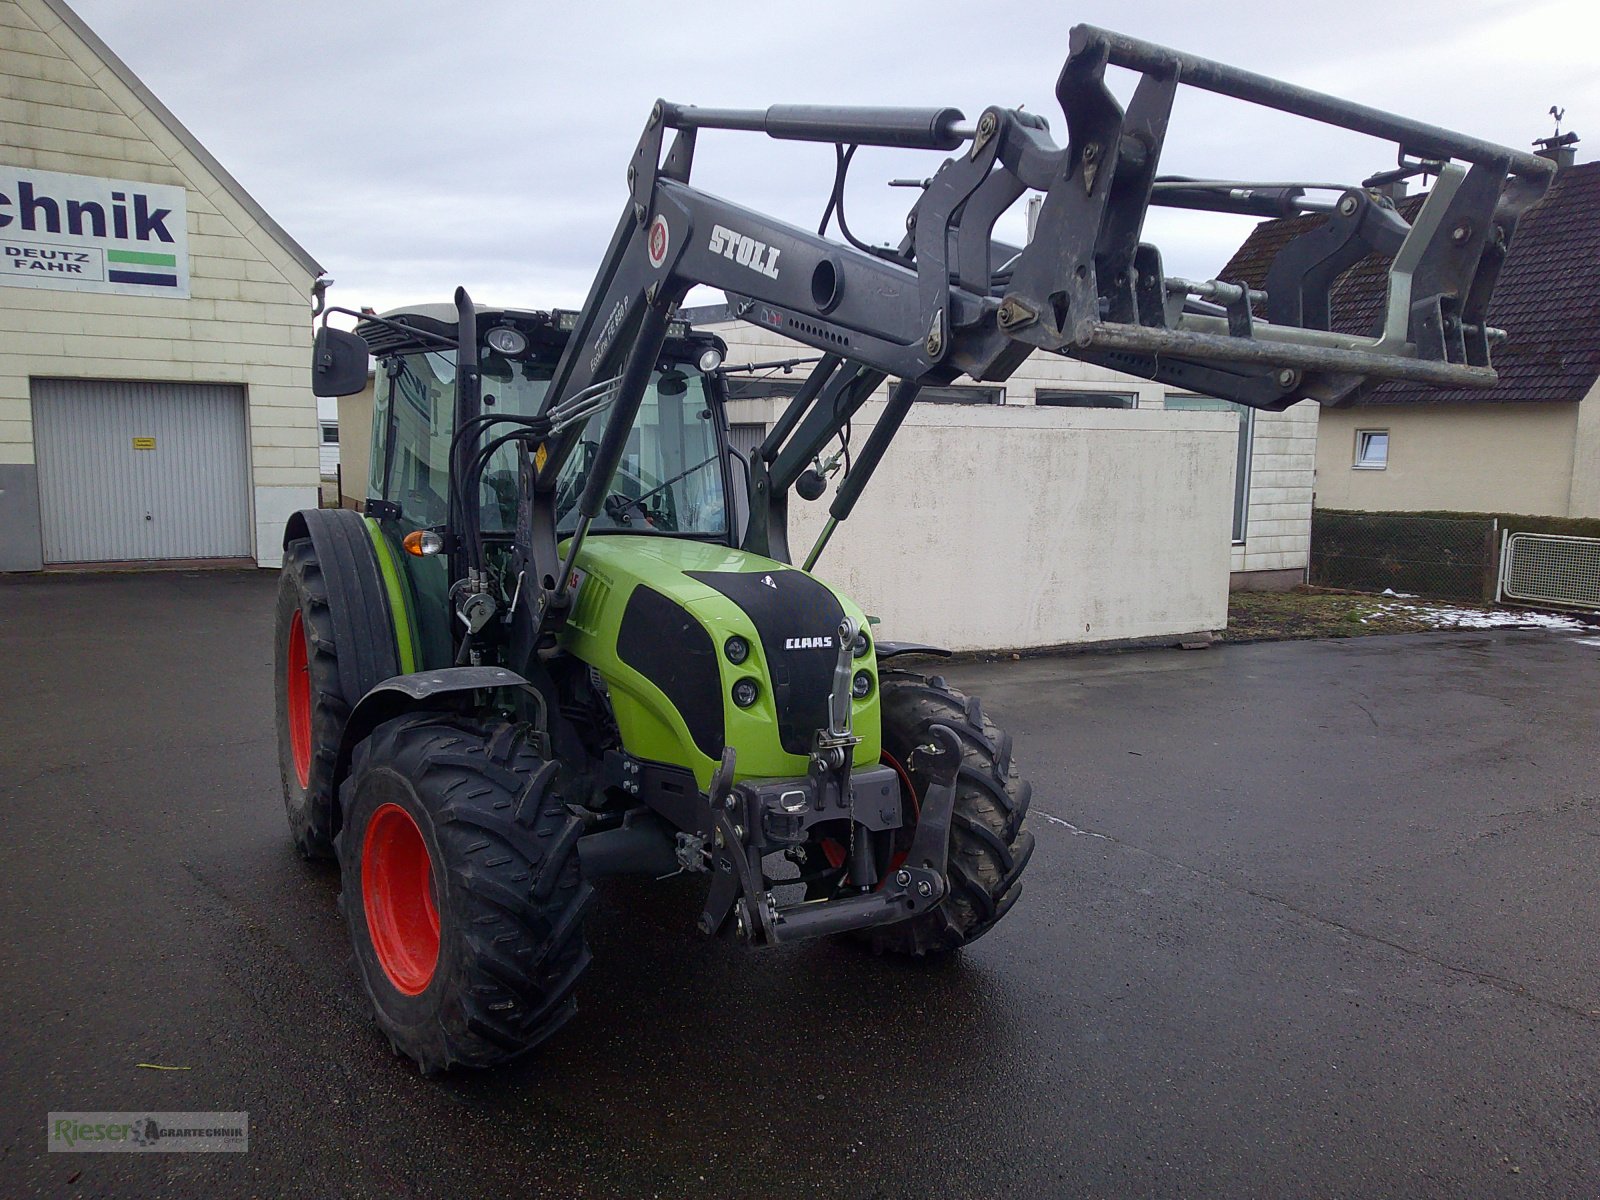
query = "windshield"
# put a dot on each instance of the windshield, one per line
(670, 478)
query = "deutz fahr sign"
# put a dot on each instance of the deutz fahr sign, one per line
(81, 234)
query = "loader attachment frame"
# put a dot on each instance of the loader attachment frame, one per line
(950, 300)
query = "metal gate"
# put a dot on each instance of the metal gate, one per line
(132, 471)
(1547, 568)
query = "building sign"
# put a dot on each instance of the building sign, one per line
(81, 234)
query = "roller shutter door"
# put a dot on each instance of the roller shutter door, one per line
(141, 471)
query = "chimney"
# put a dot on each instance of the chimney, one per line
(1558, 150)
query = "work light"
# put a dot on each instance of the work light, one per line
(506, 340)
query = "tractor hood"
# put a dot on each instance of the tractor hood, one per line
(655, 616)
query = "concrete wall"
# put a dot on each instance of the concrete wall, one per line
(247, 321)
(1277, 541)
(1513, 458)
(998, 528)
(1282, 460)
(994, 527)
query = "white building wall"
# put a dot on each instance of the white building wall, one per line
(1482, 457)
(248, 319)
(1283, 462)
(1583, 497)
(328, 452)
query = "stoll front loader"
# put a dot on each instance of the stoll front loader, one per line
(550, 652)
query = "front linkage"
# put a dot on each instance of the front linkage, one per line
(753, 819)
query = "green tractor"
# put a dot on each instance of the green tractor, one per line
(565, 639)
(702, 709)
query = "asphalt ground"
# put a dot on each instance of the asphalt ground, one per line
(1312, 918)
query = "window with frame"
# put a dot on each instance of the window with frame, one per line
(1084, 398)
(963, 394)
(1372, 449)
(413, 418)
(745, 387)
(330, 434)
(1241, 474)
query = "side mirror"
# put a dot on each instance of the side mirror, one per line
(338, 363)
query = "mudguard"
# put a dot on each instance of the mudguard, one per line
(401, 694)
(895, 649)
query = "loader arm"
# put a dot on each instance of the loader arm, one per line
(950, 300)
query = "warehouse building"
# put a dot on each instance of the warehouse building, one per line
(155, 329)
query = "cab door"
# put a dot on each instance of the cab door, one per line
(412, 422)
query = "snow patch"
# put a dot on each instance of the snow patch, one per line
(1446, 617)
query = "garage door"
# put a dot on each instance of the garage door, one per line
(141, 470)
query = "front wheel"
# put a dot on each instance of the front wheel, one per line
(988, 845)
(462, 890)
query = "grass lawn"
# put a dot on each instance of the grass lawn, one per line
(1305, 613)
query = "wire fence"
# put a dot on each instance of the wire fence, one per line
(1445, 559)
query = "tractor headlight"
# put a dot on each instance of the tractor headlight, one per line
(861, 645)
(861, 685)
(746, 692)
(737, 649)
(710, 359)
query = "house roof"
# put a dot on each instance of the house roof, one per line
(1547, 297)
(189, 142)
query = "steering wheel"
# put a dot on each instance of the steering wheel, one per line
(625, 509)
(622, 509)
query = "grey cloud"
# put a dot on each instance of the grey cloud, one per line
(412, 146)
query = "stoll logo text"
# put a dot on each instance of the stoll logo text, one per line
(80, 233)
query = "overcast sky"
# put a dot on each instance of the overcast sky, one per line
(413, 145)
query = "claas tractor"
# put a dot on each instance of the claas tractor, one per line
(566, 639)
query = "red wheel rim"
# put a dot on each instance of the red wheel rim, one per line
(397, 893)
(834, 851)
(297, 671)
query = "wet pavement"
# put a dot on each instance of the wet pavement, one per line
(1304, 918)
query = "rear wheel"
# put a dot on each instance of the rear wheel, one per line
(462, 889)
(988, 845)
(311, 707)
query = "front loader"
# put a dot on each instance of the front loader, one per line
(552, 649)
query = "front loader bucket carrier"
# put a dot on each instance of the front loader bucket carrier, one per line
(1092, 290)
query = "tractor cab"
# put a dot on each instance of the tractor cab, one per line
(672, 481)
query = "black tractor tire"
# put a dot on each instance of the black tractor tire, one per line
(456, 825)
(988, 845)
(311, 707)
